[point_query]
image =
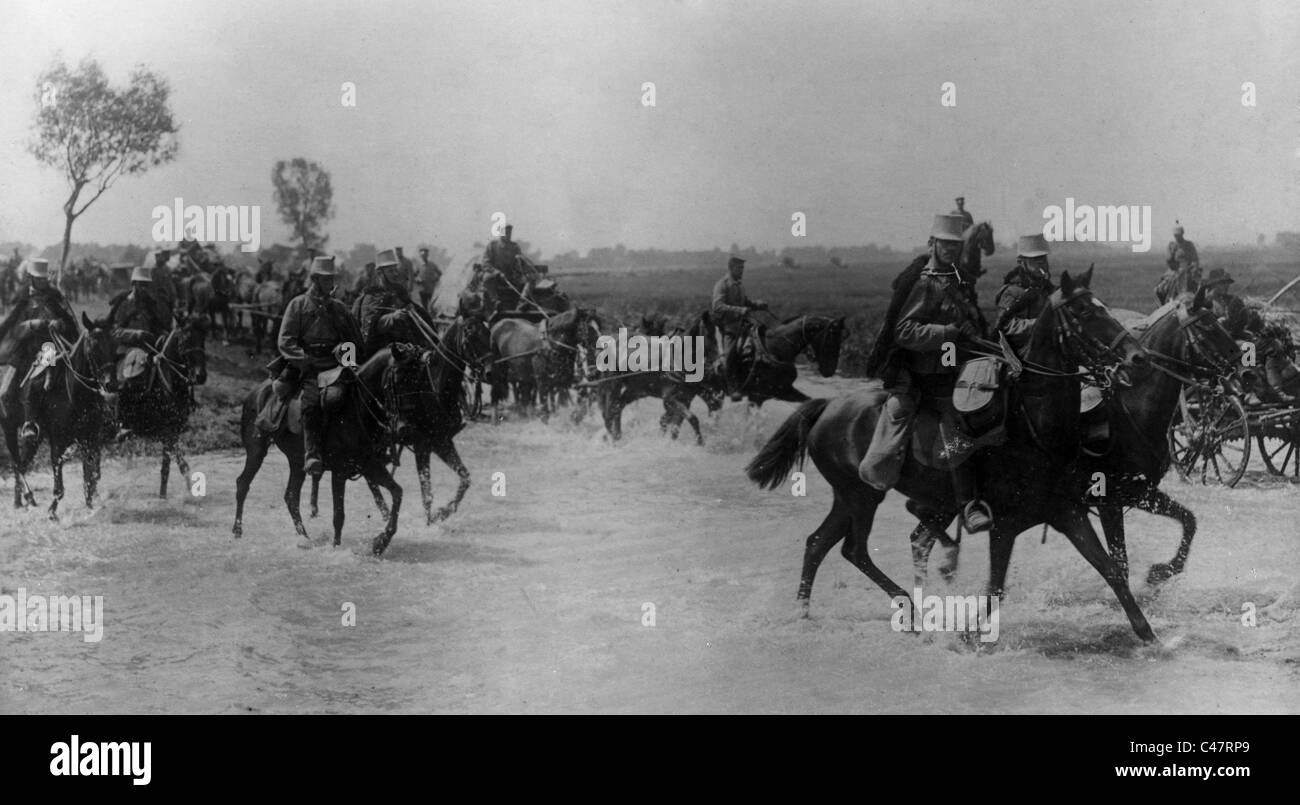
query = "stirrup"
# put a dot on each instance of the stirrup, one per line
(977, 516)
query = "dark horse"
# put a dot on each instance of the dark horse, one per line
(353, 444)
(157, 404)
(73, 411)
(616, 392)
(1186, 344)
(1027, 481)
(423, 389)
(772, 376)
(539, 360)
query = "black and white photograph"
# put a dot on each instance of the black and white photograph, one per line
(651, 357)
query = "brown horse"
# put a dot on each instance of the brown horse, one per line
(533, 358)
(773, 377)
(1027, 481)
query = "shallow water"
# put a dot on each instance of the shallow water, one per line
(533, 602)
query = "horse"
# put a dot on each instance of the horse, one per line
(270, 300)
(1025, 479)
(352, 444)
(526, 355)
(423, 388)
(73, 412)
(618, 391)
(158, 404)
(773, 376)
(570, 340)
(977, 242)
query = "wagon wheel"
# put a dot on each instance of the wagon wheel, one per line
(1279, 446)
(1209, 439)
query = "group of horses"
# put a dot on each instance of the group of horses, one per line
(1041, 474)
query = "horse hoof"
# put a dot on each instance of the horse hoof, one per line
(237, 531)
(1159, 573)
(378, 545)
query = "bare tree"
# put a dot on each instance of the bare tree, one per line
(96, 134)
(304, 198)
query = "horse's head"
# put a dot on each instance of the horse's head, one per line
(1208, 348)
(1087, 332)
(653, 324)
(99, 352)
(825, 336)
(977, 242)
(472, 340)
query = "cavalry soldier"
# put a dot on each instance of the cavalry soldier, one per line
(1241, 322)
(730, 307)
(430, 276)
(968, 220)
(161, 284)
(385, 310)
(314, 328)
(1184, 274)
(37, 314)
(939, 307)
(1025, 290)
(506, 272)
(137, 316)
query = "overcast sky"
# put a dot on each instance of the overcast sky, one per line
(762, 109)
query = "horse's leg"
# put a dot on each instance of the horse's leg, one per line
(293, 496)
(426, 487)
(379, 474)
(338, 485)
(315, 495)
(447, 452)
(166, 470)
(862, 507)
(90, 470)
(181, 463)
(1160, 503)
(56, 466)
(1074, 525)
(1112, 525)
(379, 497)
(834, 528)
(11, 441)
(255, 450)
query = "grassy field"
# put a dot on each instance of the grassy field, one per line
(861, 292)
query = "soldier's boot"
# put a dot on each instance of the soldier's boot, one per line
(976, 514)
(884, 459)
(312, 461)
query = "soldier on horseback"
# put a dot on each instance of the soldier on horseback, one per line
(1025, 290)
(1184, 274)
(37, 314)
(507, 273)
(385, 311)
(314, 328)
(139, 320)
(731, 308)
(934, 304)
(430, 276)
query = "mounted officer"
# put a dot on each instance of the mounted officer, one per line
(314, 330)
(506, 275)
(385, 311)
(1025, 290)
(730, 307)
(37, 314)
(139, 321)
(939, 306)
(968, 220)
(1184, 274)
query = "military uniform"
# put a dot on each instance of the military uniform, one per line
(937, 308)
(1241, 322)
(967, 219)
(163, 288)
(1184, 274)
(1024, 292)
(506, 283)
(430, 276)
(383, 312)
(34, 315)
(730, 307)
(314, 324)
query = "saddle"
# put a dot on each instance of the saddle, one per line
(282, 408)
(948, 431)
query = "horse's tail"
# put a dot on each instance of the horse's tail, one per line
(787, 447)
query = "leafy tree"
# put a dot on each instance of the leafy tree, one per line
(96, 134)
(305, 200)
